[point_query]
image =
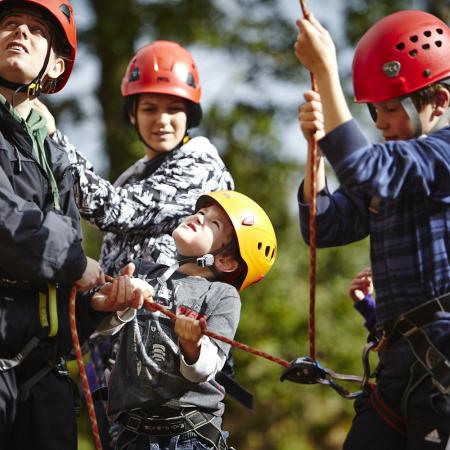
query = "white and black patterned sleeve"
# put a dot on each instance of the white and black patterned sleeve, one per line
(155, 203)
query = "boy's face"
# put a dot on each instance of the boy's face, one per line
(204, 232)
(395, 124)
(392, 121)
(24, 39)
(162, 121)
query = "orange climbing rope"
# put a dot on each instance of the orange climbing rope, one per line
(82, 370)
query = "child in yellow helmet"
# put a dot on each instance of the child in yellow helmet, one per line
(162, 389)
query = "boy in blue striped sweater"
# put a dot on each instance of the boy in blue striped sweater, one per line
(398, 194)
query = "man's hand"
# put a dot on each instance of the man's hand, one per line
(123, 293)
(93, 276)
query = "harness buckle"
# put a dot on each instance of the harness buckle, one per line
(195, 419)
(133, 423)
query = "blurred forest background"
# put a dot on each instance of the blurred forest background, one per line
(258, 37)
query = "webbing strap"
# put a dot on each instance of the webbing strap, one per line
(48, 310)
(48, 318)
(432, 360)
(395, 421)
(6, 364)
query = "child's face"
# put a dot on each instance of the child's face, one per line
(392, 120)
(204, 232)
(162, 121)
(23, 46)
(395, 124)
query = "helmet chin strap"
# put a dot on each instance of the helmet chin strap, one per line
(207, 260)
(35, 86)
(410, 108)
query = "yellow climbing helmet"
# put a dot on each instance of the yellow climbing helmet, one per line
(254, 232)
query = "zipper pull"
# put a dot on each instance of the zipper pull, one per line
(18, 159)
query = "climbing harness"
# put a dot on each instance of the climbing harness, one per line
(410, 327)
(48, 317)
(187, 420)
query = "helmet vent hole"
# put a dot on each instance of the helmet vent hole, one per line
(414, 38)
(438, 43)
(439, 31)
(400, 46)
(413, 53)
(427, 33)
(426, 46)
(259, 245)
(190, 80)
(273, 254)
(267, 252)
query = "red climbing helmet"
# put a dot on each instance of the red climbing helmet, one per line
(163, 67)
(402, 53)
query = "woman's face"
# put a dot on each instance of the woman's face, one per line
(161, 121)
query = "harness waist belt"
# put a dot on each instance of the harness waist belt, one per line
(417, 317)
(193, 420)
(165, 426)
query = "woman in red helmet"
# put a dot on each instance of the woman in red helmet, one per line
(398, 193)
(161, 88)
(40, 233)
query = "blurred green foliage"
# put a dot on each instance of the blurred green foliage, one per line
(259, 38)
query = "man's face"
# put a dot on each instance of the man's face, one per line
(24, 40)
(204, 232)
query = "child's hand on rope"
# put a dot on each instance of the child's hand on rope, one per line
(314, 47)
(189, 332)
(310, 117)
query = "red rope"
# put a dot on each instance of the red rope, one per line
(82, 370)
(312, 228)
(152, 306)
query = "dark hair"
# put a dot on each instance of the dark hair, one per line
(427, 95)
